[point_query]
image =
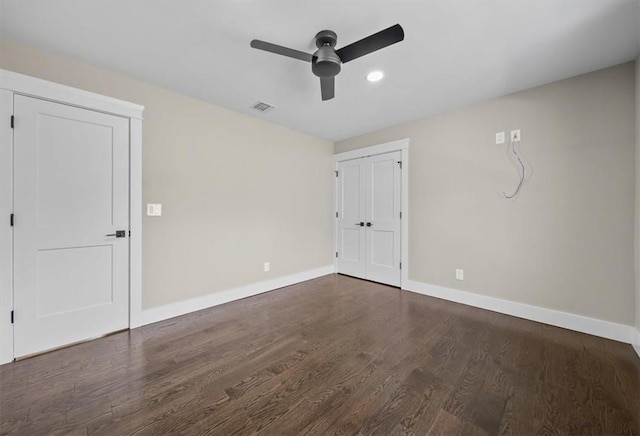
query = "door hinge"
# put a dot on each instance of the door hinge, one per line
(336, 173)
(336, 254)
(400, 265)
(129, 233)
(11, 220)
(400, 163)
(400, 215)
(12, 317)
(336, 214)
(12, 121)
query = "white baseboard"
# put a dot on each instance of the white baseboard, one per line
(636, 341)
(579, 323)
(155, 314)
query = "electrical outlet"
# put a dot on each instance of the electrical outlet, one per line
(515, 135)
(267, 267)
(459, 274)
(500, 138)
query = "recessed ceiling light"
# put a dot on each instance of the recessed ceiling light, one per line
(375, 76)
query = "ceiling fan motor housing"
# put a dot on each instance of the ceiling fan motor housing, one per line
(326, 63)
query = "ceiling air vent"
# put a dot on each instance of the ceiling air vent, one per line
(261, 106)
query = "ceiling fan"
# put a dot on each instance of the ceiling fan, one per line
(326, 61)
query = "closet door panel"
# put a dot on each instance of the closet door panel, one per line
(351, 217)
(383, 204)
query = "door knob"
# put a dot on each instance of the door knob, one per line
(369, 224)
(361, 224)
(118, 234)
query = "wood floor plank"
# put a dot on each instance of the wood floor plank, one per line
(448, 424)
(334, 355)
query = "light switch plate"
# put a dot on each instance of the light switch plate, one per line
(500, 138)
(154, 209)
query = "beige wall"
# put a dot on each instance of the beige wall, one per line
(566, 243)
(235, 191)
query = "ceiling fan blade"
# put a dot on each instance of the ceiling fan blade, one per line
(371, 43)
(327, 87)
(278, 49)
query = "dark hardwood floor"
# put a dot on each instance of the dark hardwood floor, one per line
(334, 355)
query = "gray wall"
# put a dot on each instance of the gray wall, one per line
(566, 242)
(235, 191)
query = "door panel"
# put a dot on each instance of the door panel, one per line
(352, 181)
(71, 191)
(383, 212)
(91, 286)
(352, 240)
(369, 191)
(382, 247)
(351, 212)
(382, 184)
(71, 184)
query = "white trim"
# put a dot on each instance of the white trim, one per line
(636, 341)
(13, 83)
(43, 89)
(335, 220)
(401, 145)
(6, 233)
(404, 256)
(135, 220)
(387, 147)
(579, 323)
(162, 313)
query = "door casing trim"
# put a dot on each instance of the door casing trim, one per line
(12, 83)
(401, 145)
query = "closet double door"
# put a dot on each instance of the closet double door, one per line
(369, 218)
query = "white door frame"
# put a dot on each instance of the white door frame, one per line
(13, 83)
(401, 145)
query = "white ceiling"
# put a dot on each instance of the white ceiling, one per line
(454, 52)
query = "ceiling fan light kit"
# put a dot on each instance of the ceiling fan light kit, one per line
(327, 62)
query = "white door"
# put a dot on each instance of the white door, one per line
(369, 221)
(71, 184)
(352, 215)
(383, 218)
